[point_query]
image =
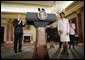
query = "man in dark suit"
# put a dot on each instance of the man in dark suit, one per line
(18, 33)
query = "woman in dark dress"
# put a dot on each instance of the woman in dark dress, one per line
(51, 36)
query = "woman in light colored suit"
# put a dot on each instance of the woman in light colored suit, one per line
(63, 29)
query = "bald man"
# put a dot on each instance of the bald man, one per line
(18, 33)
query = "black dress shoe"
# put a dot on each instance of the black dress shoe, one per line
(67, 53)
(69, 47)
(73, 47)
(59, 46)
(63, 52)
(15, 51)
(20, 51)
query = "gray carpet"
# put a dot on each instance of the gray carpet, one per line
(54, 53)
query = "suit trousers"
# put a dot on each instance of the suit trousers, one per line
(17, 42)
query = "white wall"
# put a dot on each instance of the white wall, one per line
(22, 8)
(60, 6)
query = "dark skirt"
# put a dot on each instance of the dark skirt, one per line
(51, 38)
(72, 37)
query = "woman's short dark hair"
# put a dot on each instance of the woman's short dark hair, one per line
(62, 13)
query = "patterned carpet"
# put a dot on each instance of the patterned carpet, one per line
(7, 52)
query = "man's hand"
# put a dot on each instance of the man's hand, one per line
(23, 22)
(19, 22)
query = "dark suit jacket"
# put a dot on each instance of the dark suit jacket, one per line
(18, 30)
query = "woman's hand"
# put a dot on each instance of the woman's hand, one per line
(60, 32)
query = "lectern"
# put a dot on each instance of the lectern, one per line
(40, 21)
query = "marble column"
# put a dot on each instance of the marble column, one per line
(79, 25)
(11, 30)
(7, 31)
